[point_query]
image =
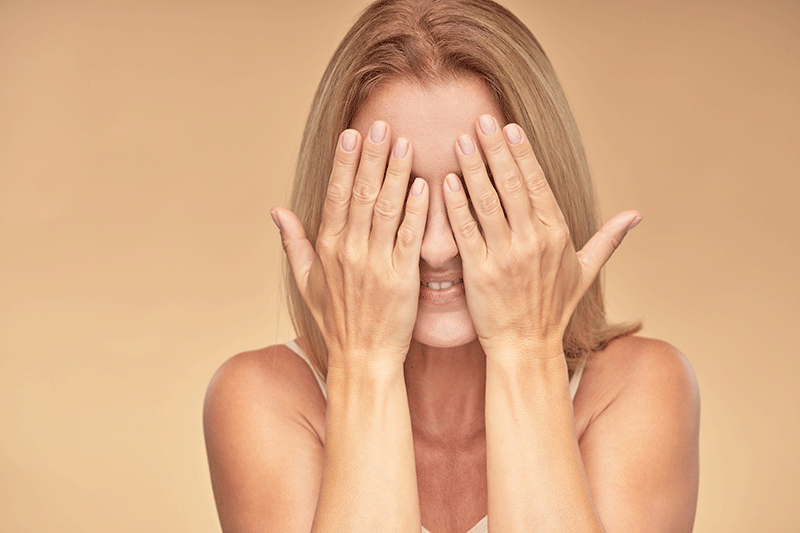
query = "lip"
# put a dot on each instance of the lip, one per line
(440, 277)
(441, 297)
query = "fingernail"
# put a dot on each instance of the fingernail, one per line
(453, 182)
(487, 125)
(275, 219)
(349, 141)
(466, 145)
(416, 189)
(377, 132)
(400, 148)
(513, 134)
(634, 223)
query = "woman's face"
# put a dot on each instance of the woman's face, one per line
(432, 119)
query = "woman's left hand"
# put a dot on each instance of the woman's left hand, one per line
(522, 275)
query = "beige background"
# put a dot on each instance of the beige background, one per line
(142, 143)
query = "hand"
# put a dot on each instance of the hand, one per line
(522, 276)
(362, 282)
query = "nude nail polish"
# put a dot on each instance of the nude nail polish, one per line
(487, 125)
(416, 189)
(400, 148)
(634, 223)
(453, 182)
(377, 132)
(466, 145)
(349, 141)
(513, 134)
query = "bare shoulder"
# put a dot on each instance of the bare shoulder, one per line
(636, 368)
(274, 376)
(638, 416)
(263, 420)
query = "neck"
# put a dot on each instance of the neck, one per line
(446, 392)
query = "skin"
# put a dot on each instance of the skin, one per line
(459, 402)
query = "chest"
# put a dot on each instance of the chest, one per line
(452, 486)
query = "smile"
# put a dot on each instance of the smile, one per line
(440, 286)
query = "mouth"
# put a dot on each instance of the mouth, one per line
(442, 294)
(440, 285)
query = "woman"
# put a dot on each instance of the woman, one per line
(453, 360)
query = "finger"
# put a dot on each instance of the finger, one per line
(405, 256)
(298, 249)
(506, 173)
(602, 245)
(539, 192)
(471, 244)
(340, 185)
(389, 205)
(484, 198)
(367, 185)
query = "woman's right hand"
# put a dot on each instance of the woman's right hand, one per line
(362, 281)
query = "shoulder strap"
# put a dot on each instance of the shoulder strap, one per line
(293, 346)
(576, 379)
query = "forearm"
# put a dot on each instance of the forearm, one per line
(369, 474)
(536, 480)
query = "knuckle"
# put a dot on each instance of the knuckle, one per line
(385, 209)
(612, 238)
(474, 166)
(372, 154)
(345, 162)
(461, 204)
(288, 245)
(537, 182)
(415, 207)
(469, 228)
(523, 150)
(337, 194)
(364, 193)
(497, 148)
(349, 253)
(325, 247)
(537, 246)
(462, 210)
(394, 173)
(510, 182)
(487, 203)
(560, 236)
(405, 236)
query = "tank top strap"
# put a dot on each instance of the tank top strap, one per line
(576, 379)
(293, 346)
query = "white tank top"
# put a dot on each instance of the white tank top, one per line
(482, 525)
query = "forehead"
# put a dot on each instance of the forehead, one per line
(430, 117)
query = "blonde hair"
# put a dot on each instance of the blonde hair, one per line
(436, 41)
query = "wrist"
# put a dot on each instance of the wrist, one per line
(367, 389)
(358, 371)
(533, 381)
(524, 351)
(361, 358)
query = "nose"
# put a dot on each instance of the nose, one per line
(438, 243)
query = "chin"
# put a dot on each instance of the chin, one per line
(444, 330)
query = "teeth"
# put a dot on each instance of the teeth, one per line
(443, 285)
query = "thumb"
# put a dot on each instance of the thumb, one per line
(298, 249)
(602, 245)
